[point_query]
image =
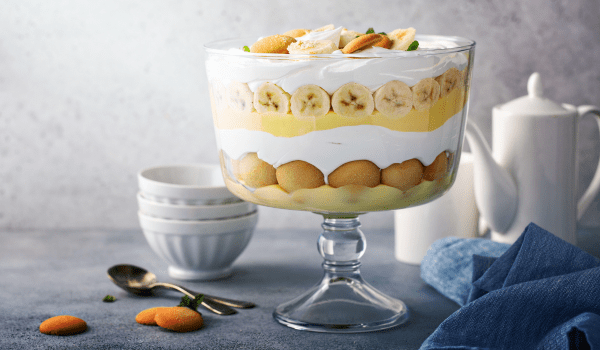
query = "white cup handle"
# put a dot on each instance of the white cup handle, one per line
(482, 227)
(594, 187)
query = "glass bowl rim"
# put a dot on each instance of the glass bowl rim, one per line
(220, 47)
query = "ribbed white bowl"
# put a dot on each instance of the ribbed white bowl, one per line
(193, 184)
(198, 250)
(193, 212)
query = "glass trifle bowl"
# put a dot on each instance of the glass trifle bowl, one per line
(340, 135)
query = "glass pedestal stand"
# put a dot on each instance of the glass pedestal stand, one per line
(342, 302)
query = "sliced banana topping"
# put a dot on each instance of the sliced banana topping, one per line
(362, 42)
(385, 42)
(312, 47)
(271, 98)
(347, 36)
(448, 81)
(425, 94)
(324, 28)
(310, 101)
(402, 38)
(394, 99)
(239, 97)
(353, 100)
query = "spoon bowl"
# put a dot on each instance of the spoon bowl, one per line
(133, 279)
(139, 281)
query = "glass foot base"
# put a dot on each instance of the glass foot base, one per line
(342, 305)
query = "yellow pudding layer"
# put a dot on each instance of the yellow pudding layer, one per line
(346, 199)
(287, 125)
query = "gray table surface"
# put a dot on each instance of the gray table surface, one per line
(45, 273)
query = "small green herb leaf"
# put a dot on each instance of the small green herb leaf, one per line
(370, 31)
(109, 298)
(192, 303)
(246, 48)
(382, 33)
(413, 46)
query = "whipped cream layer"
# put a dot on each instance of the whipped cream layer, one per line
(328, 149)
(371, 68)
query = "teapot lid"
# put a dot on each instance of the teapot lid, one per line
(534, 103)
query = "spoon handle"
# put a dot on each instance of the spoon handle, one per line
(208, 303)
(230, 302)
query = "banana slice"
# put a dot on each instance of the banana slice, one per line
(448, 81)
(394, 99)
(362, 42)
(353, 100)
(385, 42)
(310, 101)
(324, 28)
(402, 38)
(347, 36)
(425, 94)
(312, 47)
(271, 98)
(239, 97)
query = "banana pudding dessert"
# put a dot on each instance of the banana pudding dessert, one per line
(333, 120)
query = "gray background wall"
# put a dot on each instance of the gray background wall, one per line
(93, 91)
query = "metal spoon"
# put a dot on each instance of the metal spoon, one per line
(139, 281)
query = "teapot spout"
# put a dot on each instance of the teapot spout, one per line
(495, 189)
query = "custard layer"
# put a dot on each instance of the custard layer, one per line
(287, 125)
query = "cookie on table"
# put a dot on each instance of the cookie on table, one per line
(147, 316)
(63, 325)
(179, 319)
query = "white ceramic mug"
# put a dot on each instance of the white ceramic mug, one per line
(453, 214)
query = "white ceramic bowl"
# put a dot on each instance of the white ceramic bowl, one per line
(193, 212)
(193, 184)
(198, 250)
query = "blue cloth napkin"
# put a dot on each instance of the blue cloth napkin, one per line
(539, 293)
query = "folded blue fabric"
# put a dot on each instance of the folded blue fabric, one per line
(539, 293)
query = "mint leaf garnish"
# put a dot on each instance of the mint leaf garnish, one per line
(413, 46)
(246, 48)
(382, 33)
(109, 298)
(370, 31)
(191, 303)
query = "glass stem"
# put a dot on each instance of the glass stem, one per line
(341, 244)
(342, 302)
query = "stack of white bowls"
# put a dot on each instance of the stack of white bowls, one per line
(192, 221)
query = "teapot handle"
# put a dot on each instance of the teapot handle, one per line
(594, 187)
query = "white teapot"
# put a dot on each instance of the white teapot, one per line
(531, 176)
